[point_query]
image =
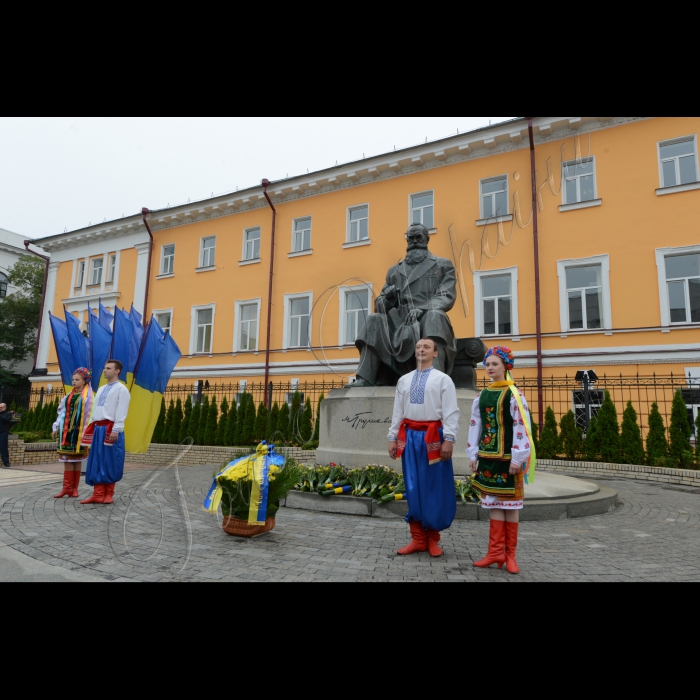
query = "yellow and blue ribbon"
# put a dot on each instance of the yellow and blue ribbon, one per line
(530, 468)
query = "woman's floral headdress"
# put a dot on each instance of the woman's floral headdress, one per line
(506, 354)
(85, 373)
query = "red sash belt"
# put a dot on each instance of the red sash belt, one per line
(90, 432)
(432, 438)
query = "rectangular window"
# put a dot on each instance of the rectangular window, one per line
(585, 294)
(4, 281)
(248, 327)
(579, 181)
(302, 235)
(683, 279)
(497, 297)
(208, 252)
(205, 330)
(423, 210)
(165, 320)
(112, 269)
(678, 162)
(299, 323)
(358, 224)
(251, 245)
(356, 312)
(167, 266)
(81, 275)
(97, 266)
(494, 197)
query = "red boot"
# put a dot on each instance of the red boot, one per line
(419, 543)
(76, 484)
(433, 542)
(98, 496)
(67, 485)
(109, 494)
(497, 546)
(512, 548)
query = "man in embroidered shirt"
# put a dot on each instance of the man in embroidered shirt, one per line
(105, 435)
(423, 433)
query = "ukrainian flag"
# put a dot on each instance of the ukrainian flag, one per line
(106, 318)
(158, 357)
(123, 332)
(78, 343)
(135, 345)
(66, 362)
(100, 349)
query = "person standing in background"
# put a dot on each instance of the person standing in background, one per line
(6, 419)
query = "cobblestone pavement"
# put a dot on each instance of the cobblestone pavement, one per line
(653, 536)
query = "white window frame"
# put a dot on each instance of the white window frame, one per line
(412, 209)
(4, 282)
(579, 161)
(163, 273)
(562, 266)
(299, 219)
(246, 231)
(479, 301)
(94, 269)
(482, 182)
(349, 223)
(288, 299)
(80, 274)
(157, 312)
(236, 324)
(112, 268)
(344, 291)
(193, 329)
(211, 264)
(671, 142)
(661, 255)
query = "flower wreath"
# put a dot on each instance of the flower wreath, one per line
(506, 354)
(85, 373)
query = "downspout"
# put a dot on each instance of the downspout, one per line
(268, 397)
(144, 213)
(538, 298)
(43, 302)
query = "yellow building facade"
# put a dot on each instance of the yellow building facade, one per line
(619, 255)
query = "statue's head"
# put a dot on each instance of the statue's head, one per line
(418, 237)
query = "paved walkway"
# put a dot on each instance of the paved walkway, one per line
(155, 534)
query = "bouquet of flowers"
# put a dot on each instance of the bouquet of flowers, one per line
(359, 481)
(466, 491)
(379, 477)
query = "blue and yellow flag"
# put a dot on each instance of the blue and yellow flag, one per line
(106, 318)
(66, 362)
(100, 348)
(78, 342)
(136, 340)
(123, 331)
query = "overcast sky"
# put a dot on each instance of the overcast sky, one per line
(60, 173)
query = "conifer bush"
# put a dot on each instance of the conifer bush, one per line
(295, 418)
(306, 430)
(260, 431)
(185, 427)
(697, 441)
(231, 426)
(283, 424)
(169, 420)
(212, 424)
(679, 449)
(631, 443)
(609, 431)
(535, 434)
(204, 416)
(591, 443)
(240, 423)
(272, 423)
(249, 424)
(550, 442)
(657, 445)
(160, 426)
(195, 420)
(174, 429)
(317, 427)
(223, 424)
(571, 436)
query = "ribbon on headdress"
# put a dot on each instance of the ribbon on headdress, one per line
(531, 466)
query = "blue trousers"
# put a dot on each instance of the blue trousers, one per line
(105, 464)
(430, 488)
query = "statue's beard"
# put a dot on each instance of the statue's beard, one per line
(415, 256)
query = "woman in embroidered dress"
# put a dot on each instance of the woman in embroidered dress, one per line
(499, 451)
(74, 415)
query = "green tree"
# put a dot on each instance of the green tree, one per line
(535, 434)
(295, 418)
(231, 426)
(212, 424)
(249, 423)
(272, 423)
(317, 427)
(657, 445)
(283, 424)
(223, 424)
(160, 425)
(185, 427)
(591, 445)
(261, 424)
(176, 427)
(28, 421)
(697, 441)
(204, 416)
(19, 316)
(195, 420)
(571, 436)
(631, 443)
(240, 423)
(306, 429)
(679, 446)
(550, 442)
(609, 428)
(169, 420)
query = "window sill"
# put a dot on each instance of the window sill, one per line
(581, 205)
(243, 263)
(495, 220)
(357, 244)
(206, 269)
(300, 254)
(678, 188)
(165, 277)
(94, 286)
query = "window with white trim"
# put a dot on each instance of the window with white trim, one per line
(251, 244)
(494, 197)
(299, 321)
(167, 261)
(579, 181)
(302, 235)
(165, 320)
(356, 305)
(679, 161)
(97, 268)
(4, 283)
(204, 329)
(208, 252)
(584, 286)
(423, 210)
(497, 300)
(358, 224)
(683, 283)
(248, 327)
(80, 277)
(112, 269)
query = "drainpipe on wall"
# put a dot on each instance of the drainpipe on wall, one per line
(144, 213)
(268, 396)
(538, 298)
(43, 304)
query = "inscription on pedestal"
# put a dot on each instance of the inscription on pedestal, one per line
(361, 420)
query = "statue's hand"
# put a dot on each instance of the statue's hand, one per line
(415, 315)
(390, 293)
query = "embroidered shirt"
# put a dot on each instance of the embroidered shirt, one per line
(420, 380)
(112, 404)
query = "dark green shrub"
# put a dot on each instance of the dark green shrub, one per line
(550, 442)
(212, 424)
(631, 443)
(231, 426)
(591, 443)
(175, 427)
(202, 429)
(272, 423)
(249, 423)
(295, 418)
(571, 436)
(306, 430)
(160, 425)
(223, 424)
(195, 420)
(609, 431)
(185, 427)
(680, 432)
(657, 445)
(169, 420)
(260, 430)
(283, 425)
(697, 440)
(317, 428)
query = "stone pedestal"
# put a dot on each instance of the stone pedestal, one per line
(355, 424)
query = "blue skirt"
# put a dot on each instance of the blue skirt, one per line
(105, 464)
(430, 489)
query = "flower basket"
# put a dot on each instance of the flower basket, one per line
(240, 528)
